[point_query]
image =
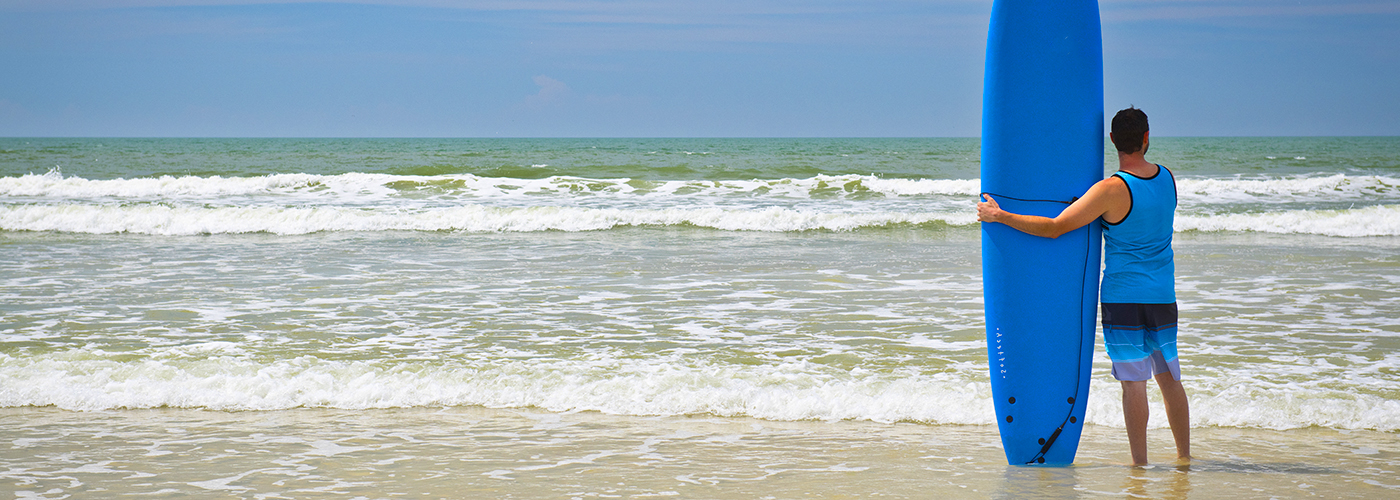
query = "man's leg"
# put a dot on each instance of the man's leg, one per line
(1135, 417)
(1178, 412)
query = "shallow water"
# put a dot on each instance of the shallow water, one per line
(1277, 332)
(526, 453)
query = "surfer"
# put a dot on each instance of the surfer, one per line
(1136, 206)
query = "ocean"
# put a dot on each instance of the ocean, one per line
(638, 318)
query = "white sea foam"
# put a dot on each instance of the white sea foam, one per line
(160, 219)
(1265, 190)
(55, 185)
(1368, 221)
(93, 380)
(306, 203)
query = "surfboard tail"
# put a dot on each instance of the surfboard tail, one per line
(1040, 338)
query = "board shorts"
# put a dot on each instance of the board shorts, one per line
(1141, 340)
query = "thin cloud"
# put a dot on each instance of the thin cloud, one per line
(552, 93)
(724, 12)
(1156, 10)
(639, 8)
(633, 25)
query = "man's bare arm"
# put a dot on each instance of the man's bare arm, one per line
(1103, 197)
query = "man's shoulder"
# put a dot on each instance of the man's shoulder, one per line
(1113, 183)
(1115, 199)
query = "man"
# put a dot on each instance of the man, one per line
(1136, 206)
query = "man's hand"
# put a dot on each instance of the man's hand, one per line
(989, 211)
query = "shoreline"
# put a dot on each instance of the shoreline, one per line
(528, 453)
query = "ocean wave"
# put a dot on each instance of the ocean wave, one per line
(1287, 189)
(161, 219)
(308, 203)
(95, 380)
(174, 220)
(54, 185)
(1380, 220)
(223, 378)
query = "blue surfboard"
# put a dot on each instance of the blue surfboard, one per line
(1042, 146)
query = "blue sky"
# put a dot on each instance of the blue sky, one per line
(731, 68)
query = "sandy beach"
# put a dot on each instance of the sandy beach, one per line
(524, 453)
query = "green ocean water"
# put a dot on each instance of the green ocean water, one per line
(652, 159)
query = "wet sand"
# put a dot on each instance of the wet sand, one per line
(474, 452)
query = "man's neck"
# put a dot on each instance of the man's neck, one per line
(1136, 164)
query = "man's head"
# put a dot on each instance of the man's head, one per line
(1128, 130)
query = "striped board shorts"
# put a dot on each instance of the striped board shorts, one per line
(1141, 340)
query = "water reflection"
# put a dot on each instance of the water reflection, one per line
(1158, 481)
(1039, 482)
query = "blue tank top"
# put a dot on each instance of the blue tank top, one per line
(1138, 266)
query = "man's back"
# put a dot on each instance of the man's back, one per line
(1138, 265)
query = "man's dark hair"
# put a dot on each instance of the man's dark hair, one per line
(1128, 127)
